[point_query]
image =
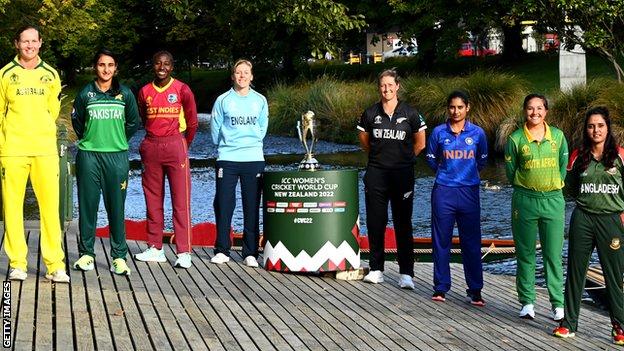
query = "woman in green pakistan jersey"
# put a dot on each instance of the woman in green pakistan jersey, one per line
(105, 116)
(595, 179)
(536, 156)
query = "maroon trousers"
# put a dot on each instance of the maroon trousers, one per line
(167, 156)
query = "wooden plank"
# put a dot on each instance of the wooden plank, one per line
(165, 314)
(162, 274)
(114, 312)
(43, 319)
(81, 314)
(285, 308)
(62, 318)
(25, 324)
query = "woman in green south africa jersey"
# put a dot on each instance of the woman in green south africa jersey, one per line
(535, 162)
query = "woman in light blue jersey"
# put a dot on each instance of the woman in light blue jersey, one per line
(457, 150)
(239, 122)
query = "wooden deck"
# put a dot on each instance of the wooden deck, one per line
(232, 307)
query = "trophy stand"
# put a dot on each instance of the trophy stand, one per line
(305, 125)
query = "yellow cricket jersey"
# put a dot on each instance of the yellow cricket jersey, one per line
(29, 107)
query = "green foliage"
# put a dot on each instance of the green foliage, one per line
(337, 106)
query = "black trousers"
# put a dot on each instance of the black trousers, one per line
(396, 186)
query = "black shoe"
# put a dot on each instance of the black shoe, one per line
(474, 296)
(438, 296)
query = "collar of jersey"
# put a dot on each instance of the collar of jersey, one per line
(396, 109)
(39, 64)
(467, 126)
(159, 89)
(547, 135)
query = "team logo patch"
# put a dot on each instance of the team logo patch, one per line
(45, 79)
(553, 146)
(469, 141)
(377, 120)
(91, 94)
(612, 171)
(447, 141)
(399, 120)
(526, 150)
(172, 98)
(119, 97)
(124, 185)
(507, 158)
(615, 244)
(14, 79)
(148, 100)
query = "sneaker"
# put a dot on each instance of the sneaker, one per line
(474, 297)
(406, 282)
(17, 274)
(618, 334)
(563, 332)
(183, 261)
(59, 276)
(374, 277)
(250, 261)
(220, 258)
(120, 267)
(527, 312)
(438, 296)
(557, 314)
(84, 263)
(151, 255)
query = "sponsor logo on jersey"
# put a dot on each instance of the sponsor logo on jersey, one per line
(615, 244)
(91, 94)
(119, 97)
(14, 79)
(526, 150)
(172, 98)
(553, 146)
(399, 120)
(377, 119)
(612, 171)
(469, 141)
(447, 141)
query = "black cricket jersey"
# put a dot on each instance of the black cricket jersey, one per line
(391, 137)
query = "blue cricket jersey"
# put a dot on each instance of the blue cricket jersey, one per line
(457, 158)
(238, 126)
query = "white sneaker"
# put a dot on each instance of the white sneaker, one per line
(17, 274)
(220, 258)
(250, 261)
(184, 260)
(374, 277)
(527, 312)
(152, 255)
(59, 276)
(557, 314)
(406, 282)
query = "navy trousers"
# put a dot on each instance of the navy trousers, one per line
(448, 206)
(227, 175)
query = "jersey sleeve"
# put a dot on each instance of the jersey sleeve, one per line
(432, 151)
(482, 150)
(572, 175)
(361, 123)
(190, 113)
(3, 100)
(216, 120)
(511, 154)
(54, 99)
(78, 115)
(263, 119)
(132, 115)
(142, 105)
(563, 157)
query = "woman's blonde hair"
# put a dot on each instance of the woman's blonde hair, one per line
(241, 62)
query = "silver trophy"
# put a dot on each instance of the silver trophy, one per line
(305, 125)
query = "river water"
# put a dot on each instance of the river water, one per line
(284, 153)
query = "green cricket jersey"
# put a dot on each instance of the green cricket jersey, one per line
(536, 165)
(597, 190)
(105, 121)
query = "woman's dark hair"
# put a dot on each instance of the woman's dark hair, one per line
(610, 151)
(106, 52)
(533, 96)
(22, 29)
(162, 53)
(458, 94)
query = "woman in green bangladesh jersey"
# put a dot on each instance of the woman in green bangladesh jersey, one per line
(535, 162)
(595, 173)
(105, 116)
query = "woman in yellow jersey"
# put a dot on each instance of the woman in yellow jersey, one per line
(29, 106)
(536, 156)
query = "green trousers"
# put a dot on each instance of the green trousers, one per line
(106, 174)
(544, 213)
(586, 232)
